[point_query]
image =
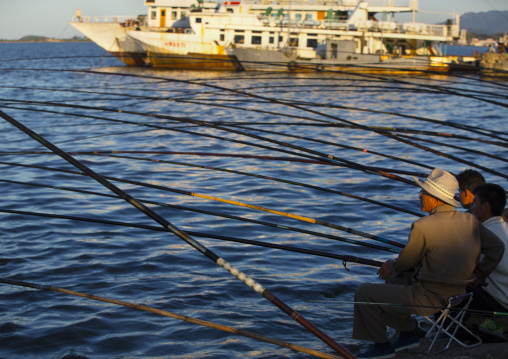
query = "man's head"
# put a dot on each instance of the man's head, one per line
(439, 188)
(468, 180)
(489, 201)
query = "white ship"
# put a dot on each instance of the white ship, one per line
(110, 33)
(278, 35)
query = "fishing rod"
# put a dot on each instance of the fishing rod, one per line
(241, 204)
(472, 311)
(325, 123)
(238, 92)
(455, 158)
(117, 154)
(278, 101)
(378, 172)
(398, 80)
(292, 146)
(185, 318)
(251, 283)
(337, 145)
(335, 124)
(343, 258)
(325, 157)
(475, 129)
(218, 214)
(455, 147)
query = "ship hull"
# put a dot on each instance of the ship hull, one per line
(184, 51)
(270, 60)
(113, 38)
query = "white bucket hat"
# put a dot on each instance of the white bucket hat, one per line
(442, 185)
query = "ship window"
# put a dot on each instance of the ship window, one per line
(312, 43)
(150, 0)
(221, 37)
(239, 39)
(174, 14)
(256, 40)
(198, 20)
(183, 15)
(153, 15)
(293, 41)
(271, 40)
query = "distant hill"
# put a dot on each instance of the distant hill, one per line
(485, 23)
(33, 38)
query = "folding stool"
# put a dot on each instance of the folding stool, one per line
(448, 322)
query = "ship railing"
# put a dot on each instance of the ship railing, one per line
(353, 3)
(381, 4)
(125, 20)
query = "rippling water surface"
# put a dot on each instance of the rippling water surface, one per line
(229, 155)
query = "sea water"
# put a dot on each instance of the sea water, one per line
(143, 114)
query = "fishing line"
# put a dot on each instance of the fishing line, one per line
(185, 318)
(240, 204)
(343, 258)
(203, 250)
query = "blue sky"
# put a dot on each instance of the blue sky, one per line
(51, 18)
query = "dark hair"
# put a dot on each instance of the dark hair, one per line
(469, 179)
(494, 194)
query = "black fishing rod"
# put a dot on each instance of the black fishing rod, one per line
(242, 93)
(117, 154)
(413, 138)
(296, 106)
(211, 154)
(364, 150)
(455, 158)
(452, 309)
(322, 156)
(328, 157)
(478, 130)
(219, 214)
(189, 240)
(398, 80)
(237, 203)
(324, 124)
(385, 134)
(343, 258)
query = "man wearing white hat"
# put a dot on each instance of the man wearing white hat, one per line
(438, 262)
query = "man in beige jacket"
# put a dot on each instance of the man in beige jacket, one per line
(439, 261)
